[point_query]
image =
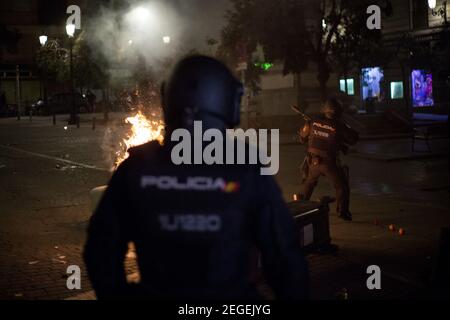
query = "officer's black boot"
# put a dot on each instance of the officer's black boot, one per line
(347, 216)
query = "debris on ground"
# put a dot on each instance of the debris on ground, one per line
(64, 168)
(342, 294)
(59, 261)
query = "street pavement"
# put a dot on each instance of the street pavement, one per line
(46, 173)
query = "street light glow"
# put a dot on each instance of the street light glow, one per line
(70, 30)
(43, 40)
(432, 4)
(140, 13)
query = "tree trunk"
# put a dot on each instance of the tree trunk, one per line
(323, 89)
(405, 96)
(323, 76)
(346, 65)
(345, 78)
(298, 87)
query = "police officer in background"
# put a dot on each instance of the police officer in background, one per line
(194, 226)
(326, 137)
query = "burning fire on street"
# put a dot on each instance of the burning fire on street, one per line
(143, 130)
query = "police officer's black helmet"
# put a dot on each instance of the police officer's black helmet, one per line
(201, 88)
(332, 108)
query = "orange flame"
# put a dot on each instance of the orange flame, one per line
(142, 131)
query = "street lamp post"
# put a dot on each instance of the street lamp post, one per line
(441, 11)
(18, 92)
(70, 29)
(43, 41)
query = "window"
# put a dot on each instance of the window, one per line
(350, 86)
(397, 90)
(422, 88)
(372, 83)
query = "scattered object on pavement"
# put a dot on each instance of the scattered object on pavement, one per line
(391, 227)
(61, 257)
(65, 127)
(342, 294)
(33, 262)
(401, 231)
(58, 166)
(56, 247)
(64, 168)
(59, 261)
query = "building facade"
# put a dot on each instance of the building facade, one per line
(19, 75)
(415, 78)
(405, 82)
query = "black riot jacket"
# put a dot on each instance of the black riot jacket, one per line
(194, 228)
(326, 137)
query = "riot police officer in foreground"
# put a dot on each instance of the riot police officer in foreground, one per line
(193, 238)
(326, 137)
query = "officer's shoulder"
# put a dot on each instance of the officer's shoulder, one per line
(144, 150)
(318, 117)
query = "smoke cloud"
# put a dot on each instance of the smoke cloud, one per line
(133, 33)
(137, 30)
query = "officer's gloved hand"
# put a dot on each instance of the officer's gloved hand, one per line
(304, 133)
